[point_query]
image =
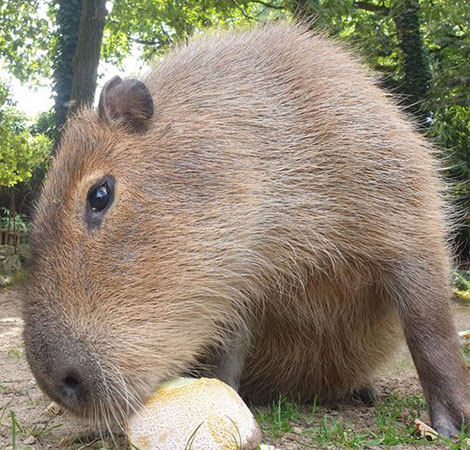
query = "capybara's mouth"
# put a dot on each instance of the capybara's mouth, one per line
(113, 406)
(101, 398)
(89, 385)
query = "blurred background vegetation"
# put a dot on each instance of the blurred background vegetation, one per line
(419, 48)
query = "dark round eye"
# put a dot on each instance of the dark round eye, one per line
(99, 197)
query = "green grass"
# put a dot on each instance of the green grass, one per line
(466, 353)
(16, 429)
(14, 354)
(339, 434)
(276, 419)
(8, 281)
(395, 419)
(393, 424)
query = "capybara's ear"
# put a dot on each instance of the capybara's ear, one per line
(126, 101)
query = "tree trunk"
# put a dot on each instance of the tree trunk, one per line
(68, 22)
(87, 56)
(416, 79)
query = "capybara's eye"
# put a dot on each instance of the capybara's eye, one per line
(99, 197)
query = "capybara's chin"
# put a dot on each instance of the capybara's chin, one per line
(256, 207)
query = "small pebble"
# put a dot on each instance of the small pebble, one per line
(297, 430)
(464, 337)
(54, 409)
(290, 447)
(290, 436)
(29, 440)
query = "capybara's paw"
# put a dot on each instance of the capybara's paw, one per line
(366, 394)
(449, 424)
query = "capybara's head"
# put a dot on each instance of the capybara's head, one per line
(119, 299)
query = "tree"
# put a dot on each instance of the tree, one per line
(445, 27)
(20, 151)
(67, 16)
(24, 39)
(87, 55)
(416, 76)
(154, 25)
(77, 54)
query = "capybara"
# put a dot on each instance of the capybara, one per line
(255, 207)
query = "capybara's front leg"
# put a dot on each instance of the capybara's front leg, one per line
(423, 304)
(227, 361)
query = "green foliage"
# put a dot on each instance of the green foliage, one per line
(445, 27)
(156, 24)
(45, 124)
(461, 280)
(16, 222)
(275, 420)
(24, 39)
(20, 151)
(38, 431)
(446, 34)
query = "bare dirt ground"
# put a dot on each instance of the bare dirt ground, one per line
(22, 403)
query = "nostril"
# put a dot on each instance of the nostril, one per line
(71, 382)
(71, 385)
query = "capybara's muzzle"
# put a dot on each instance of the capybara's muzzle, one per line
(64, 368)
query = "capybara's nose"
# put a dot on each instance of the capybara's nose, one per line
(62, 366)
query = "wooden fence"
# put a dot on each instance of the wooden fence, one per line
(13, 238)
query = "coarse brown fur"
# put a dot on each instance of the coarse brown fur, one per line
(275, 194)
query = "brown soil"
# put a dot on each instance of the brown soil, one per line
(20, 395)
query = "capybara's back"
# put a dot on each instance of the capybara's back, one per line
(255, 207)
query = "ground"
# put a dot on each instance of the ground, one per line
(25, 424)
